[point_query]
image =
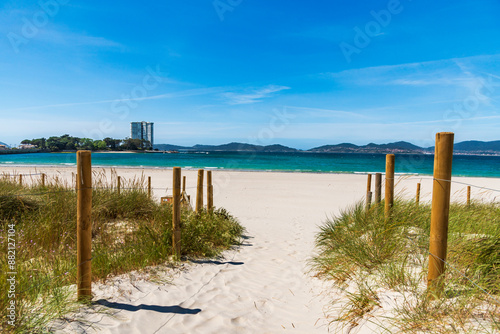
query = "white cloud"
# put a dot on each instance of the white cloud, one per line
(253, 95)
(454, 71)
(325, 113)
(67, 38)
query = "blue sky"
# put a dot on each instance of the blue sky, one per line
(297, 73)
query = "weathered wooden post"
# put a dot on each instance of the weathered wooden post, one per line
(119, 184)
(417, 198)
(368, 192)
(149, 187)
(43, 179)
(84, 224)
(443, 157)
(468, 195)
(183, 184)
(389, 183)
(378, 187)
(199, 192)
(210, 191)
(176, 214)
(20, 179)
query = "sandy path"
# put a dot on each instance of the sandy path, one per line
(262, 286)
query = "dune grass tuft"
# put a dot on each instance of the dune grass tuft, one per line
(369, 257)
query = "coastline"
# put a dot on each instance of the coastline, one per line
(222, 169)
(355, 182)
(255, 151)
(321, 163)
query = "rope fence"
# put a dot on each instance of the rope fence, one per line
(430, 178)
(83, 188)
(442, 181)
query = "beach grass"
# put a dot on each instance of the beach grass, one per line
(379, 267)
(129, 232)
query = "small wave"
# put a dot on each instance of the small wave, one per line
(364, 173)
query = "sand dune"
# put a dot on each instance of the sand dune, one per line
(263, 286)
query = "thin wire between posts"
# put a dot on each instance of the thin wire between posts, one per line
(15, 175)
(48, 280)
(462, 275)
(455, 269)
(467, 278)
(452, 181)
(470, 281)
(469, 184)
(51, 279)
(74, 190)
(94, 257)
(40, 194)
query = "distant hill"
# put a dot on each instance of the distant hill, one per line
(466, 147)
(478, 146)
(168, 147)
(474, 147)
(398, 147)
(231, 147)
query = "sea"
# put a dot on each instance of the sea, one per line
(300, 162)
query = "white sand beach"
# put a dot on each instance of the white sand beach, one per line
(263, 286)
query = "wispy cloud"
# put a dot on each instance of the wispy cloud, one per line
(453, 71)
(15, 20)
(326, 113)
(67, 38)
(252, 95)
(184, 93)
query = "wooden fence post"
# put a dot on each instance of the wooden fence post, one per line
(43, 179)
(443, 157)
(368, 192)
(183, 184)
(378, 187)
(149, 187)
(84, 224)
(468, 195)
(199, 192)
(20, 179)
(210, 191)
(417, 198)
(119, 184)
(389, 183)
(176, 214)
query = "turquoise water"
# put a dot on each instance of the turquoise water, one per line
(483, 166)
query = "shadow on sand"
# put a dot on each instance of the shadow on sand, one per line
(155, 308)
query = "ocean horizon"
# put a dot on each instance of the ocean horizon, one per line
(349, 163)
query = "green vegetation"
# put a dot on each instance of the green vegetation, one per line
(129, 232)
(380, 267)
(68, 143)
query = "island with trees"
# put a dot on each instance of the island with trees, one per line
(69, 143)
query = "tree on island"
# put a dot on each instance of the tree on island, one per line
(69, 143)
